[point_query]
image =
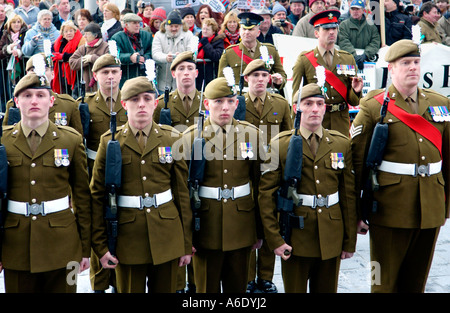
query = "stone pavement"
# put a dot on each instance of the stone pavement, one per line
(355, 272)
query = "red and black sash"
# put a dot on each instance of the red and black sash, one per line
(332, 79)
(415, 122)
(244, 57)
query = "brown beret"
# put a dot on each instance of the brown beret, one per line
(106, 60)
(218, 88)
(187, 56)
(311, 90)
(135, 86)
(255, 65)
(402, 48)
(31, 81)
(29, 65)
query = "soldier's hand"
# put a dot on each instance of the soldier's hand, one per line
(84, 265)
(108, 261)
(284, 251)
(277, 79)
(185, 260)
(362, 228)
(257, 244)
(357, 84)
(346, 255)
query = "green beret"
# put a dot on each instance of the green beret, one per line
(311, 90)
(31, 81)
(187, 56)
(255, 65)
(131, 17)
(218, 88)
(106, 60)
(402, 48)
(29, 65)
(135, 86)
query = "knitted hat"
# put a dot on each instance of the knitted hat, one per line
(174, 17)
(278, 8)
(187, 11)
(158, 14)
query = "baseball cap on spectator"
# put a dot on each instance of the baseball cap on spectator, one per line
(357, 4)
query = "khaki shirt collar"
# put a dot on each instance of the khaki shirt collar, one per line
(41, 129)
(190, 95)
(216, 128)
(146, 130)
(253, 97)
(306, 133)
(323, 50)
(114, 96)
(413, 96)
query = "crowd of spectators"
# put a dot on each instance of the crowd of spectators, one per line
(78, 37)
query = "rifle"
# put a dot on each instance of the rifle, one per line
(13, 112)
(373, 160)
(3, 184)
(241, 109)
(113, 182)
(197, 167)
(287, 195)
(164, 116)
(84, 107)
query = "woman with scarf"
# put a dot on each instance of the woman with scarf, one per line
(210, 49)
(230, 28)
(11, 44)
(111, 21)
(66, 45)
(88, 54)
(158, 16)
(135, 46)
(35, 36)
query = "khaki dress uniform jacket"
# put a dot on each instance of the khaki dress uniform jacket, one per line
(405, 201)
(40, 243)
(337, 120)
(63, 104)
(180, 119)
(327, 231)
(152, 235)
(100, 114)
(227, 224)
(231, 59)
(276, 112)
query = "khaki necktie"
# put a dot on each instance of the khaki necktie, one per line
(141, 140)
(412, 104)
(258, 106)
(328, 58)
(34, 141)
(186, 104)
(313, 144)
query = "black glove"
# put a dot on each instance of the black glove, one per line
(360, 61)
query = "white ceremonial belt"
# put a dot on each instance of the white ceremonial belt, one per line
(219, 193)
(44, 208)
(139, 202)
(410, 169)
(314, 201)
(91, 154)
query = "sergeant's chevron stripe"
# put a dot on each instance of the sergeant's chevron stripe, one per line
(355, 131)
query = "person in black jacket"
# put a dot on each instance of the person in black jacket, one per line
(398, 25)
(266, 28)
(210, 49)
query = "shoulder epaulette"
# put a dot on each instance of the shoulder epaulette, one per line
(66, 97)
(337, 133)
(373, 93)
(282, 134)
(433, 92)
(190, 129)
(168, 128)
(68, 128)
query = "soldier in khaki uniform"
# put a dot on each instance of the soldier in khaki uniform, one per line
(328, 208)
(155, 219)
(240, 55)
(228, 213)
(413, 196)
(343, 87)
(107, 73)
(269, 112)
(184, 105)
(64, 110)
(47, 163)
(185, 100)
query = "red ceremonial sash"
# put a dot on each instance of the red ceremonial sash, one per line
(244, 57)
(415, 122)
(332, 79)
